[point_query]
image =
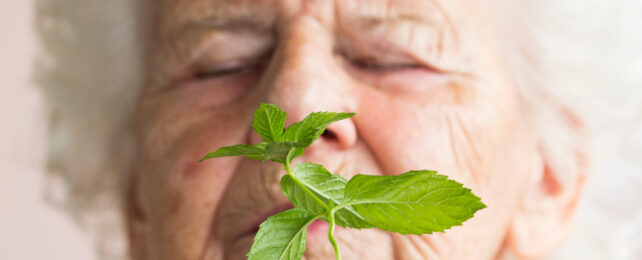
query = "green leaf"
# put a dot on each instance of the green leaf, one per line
(295, 152)
(326, 186)
(303, 134)
(282, 236)
(416, 202)
(268, 122)
(256, 151)
(277, 152)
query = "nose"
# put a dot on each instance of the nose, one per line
(304, 77)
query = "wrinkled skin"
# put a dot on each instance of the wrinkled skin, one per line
(423, 77)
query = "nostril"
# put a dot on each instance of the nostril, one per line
(329, 135)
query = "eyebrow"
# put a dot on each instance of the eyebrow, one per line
(378, 12)
(238, 17)
(248, 22)
(232, 17)
(354, 24)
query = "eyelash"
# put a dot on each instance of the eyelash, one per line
(367, 65)
(222, 72)
(382, 67)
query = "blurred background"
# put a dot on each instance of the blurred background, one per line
(32, 227)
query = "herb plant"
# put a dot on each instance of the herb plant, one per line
(415, 202)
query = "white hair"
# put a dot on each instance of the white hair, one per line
(90, 75)
(568, 58)
(585, 56)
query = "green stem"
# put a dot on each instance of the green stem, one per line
(348, 204)
(303, 187)
(331, 235)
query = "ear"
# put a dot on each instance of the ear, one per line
(545, 216)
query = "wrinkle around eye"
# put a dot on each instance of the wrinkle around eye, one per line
(383, 68)
(218, 90)
(403, 79)
(222, 72)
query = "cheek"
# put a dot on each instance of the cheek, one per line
(479, 142)
(405, 133)
(502, 177)
(458, 129)
(180, 194)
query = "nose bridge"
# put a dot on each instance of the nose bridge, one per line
(301, 77)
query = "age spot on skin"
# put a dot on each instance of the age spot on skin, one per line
(191, 169)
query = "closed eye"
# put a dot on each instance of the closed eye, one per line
(384, 67)
(384, 64)
(227, 69)
(395, 72)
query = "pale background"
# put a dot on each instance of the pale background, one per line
(30, 228)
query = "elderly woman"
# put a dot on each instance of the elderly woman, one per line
(446, 85)
(430, 90)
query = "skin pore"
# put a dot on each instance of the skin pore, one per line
(423, 77)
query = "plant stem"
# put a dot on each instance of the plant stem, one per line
(331, 235)
(303, 187)
(329, 211)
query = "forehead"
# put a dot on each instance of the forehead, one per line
(264, 14)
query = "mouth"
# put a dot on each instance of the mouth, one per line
(317, 226)
(254, 227)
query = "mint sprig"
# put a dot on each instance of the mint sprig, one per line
(282, 236)
(416, 202)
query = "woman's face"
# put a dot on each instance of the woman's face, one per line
(423, 77)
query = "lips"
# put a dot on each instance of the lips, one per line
(318, 226)
(254, 228)
(254, 194)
